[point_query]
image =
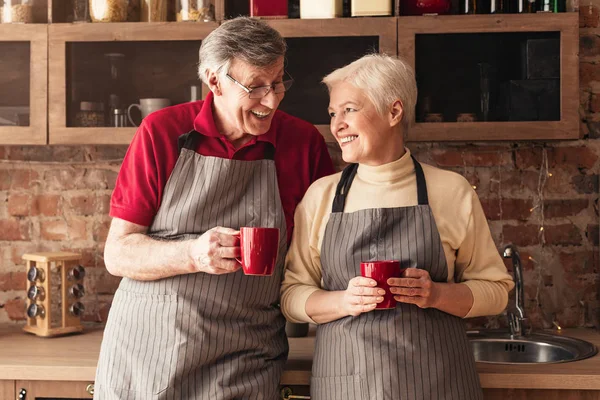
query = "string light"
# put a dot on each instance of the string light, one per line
(537, 211)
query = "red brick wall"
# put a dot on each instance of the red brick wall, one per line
(57, 198)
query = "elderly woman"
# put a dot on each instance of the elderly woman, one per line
(186, 323)
(387, 206)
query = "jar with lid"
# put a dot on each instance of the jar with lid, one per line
(195, 10)
(108, 10)
(90, 114)
(17, 11)
(154, 11)
(81, 10)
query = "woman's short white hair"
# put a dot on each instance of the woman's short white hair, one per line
(246, 39)
(384, 79)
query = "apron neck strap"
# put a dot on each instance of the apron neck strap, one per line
(341, 192)
(339, 201)
(422, 196)
(191, 139)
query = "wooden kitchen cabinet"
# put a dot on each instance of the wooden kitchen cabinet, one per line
(78, 70)
(523, 394)
(7, 390)
(76, 66)
(72, 68)
(23, 83)
(50, 390)
(445, 50)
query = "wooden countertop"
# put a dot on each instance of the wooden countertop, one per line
(73, 358)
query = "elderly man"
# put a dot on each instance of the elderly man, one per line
(186, 323)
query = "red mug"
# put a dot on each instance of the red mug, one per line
(381, 271)
(259, 248)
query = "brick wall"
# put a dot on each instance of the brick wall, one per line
(541, 196)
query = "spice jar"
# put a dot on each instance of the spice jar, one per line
(154, 11)
(17, 11)
(81, 11)
(108, 10)
(90, 114)
(195, 10)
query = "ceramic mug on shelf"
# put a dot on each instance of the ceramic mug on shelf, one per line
(147, 106)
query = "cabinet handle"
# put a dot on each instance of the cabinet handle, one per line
(22, 394)
(287, 394)
(90, 389)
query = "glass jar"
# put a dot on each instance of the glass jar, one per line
(90, 114)
(81, 11)
(154, 11)
(195, 10)
(108, 10)
(17, 11)
(321, 8)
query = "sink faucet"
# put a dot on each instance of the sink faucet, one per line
(517, 319)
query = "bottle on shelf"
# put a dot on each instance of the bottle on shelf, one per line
(108, 10)
(195, 10)
(17, 12)
(81, 11)
(115, 86)
(321, 8)
(154, 11)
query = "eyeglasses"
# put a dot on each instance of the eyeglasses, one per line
(261, 91)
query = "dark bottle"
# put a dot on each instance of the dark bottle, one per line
(115, 85)
(497, 7)
(468, 7)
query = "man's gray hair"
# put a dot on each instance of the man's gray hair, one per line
(384, 79)
(246, 39)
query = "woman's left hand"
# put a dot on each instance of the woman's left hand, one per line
(415, 287)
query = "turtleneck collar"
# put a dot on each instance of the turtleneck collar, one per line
(387, 173)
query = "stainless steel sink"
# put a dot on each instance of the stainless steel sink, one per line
(536, 348)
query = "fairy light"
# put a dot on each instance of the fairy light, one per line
(537, 210)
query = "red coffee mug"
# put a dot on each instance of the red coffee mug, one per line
(259, 248)
(381, 271)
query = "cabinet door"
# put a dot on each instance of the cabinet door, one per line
(103, 67)
(508, 77)
(539, 394)
(50, 390)
(23, 83)
(7, 390)
(291, 392)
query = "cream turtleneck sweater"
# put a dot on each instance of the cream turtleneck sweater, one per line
(471, 254)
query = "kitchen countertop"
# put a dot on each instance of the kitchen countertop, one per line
(24, 356)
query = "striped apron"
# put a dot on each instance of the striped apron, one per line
(201, 336)
(404, 353)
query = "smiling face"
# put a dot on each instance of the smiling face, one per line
(236, 114)
(365, 136)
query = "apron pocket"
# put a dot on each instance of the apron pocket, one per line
(347, 387)
(143, 340)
